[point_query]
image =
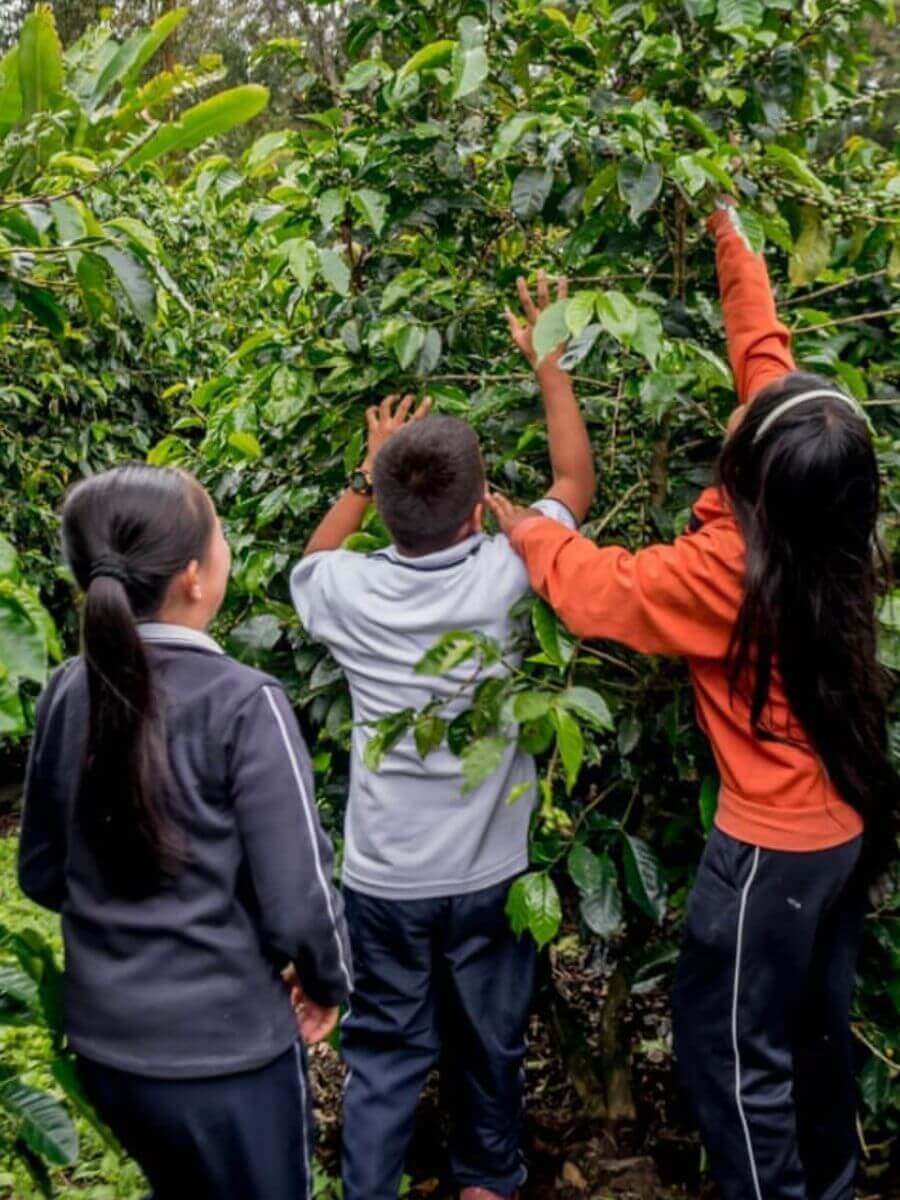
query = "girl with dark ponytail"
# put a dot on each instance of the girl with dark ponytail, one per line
(169, 816)
(770, 596)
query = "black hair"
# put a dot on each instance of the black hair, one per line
(428, 479)
(805, 491)
(126, 533)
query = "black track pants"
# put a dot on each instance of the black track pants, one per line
(446, 981)
(246, 1136)
(762, 1018)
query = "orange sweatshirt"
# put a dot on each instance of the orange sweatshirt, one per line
(683, 599)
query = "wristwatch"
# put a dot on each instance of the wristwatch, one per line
(361, 483)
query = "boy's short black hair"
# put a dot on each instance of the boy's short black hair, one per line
(428, 479)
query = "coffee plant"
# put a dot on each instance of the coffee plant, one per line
(231, 300)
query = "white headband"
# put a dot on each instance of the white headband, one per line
(787, 405)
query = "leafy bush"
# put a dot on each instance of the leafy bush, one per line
(235, 314)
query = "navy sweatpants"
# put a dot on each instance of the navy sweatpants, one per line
(246, 1136)
(436, 981)
(762, 1018)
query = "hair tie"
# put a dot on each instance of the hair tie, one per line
(110, 566)
(793, 401)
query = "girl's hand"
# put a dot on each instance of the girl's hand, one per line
(523, 335)
(314, 1023)
(384, 420)
(508, 515)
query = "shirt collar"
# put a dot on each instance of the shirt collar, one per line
(448, 557)
(177, 635)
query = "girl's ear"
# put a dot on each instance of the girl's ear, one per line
(477, 517)
(190, 577)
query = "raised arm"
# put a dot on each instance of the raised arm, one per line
(759, 346)
(346, 514)
(571, 458)
(678, 599)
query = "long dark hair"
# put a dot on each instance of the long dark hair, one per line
(126, 533)
(805, 490)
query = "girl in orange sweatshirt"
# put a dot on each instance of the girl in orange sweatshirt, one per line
(770, 596)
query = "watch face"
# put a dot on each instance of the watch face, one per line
(359, 482)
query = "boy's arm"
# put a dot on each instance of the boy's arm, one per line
(571, 459)
(759, 345)
(346, 514)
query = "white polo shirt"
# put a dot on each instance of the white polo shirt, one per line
(410, 831)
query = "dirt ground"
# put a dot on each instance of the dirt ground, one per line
(573, 1156)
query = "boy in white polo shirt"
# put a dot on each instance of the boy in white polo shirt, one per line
(438, 972)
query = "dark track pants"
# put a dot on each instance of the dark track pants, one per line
(762, 1018)
(435, 980)
(231, 1137)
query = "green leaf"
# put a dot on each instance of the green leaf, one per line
(480, 759)
(749, 224)
(640, 183)
(551, 330)
(546, 630)
(409, 342)
(617, 315)
(796, 168)
(812, 250)
(709, 802)
(12, 715)
(9, 559)
(530, 191)
(469, 62)
(643, 877)
(533, 905)
(512, 131)
(246, 445)
(429, 731)
(648, 336)
(138, 233)
(44, 307)
(530, 706)
(579, 311)
(570, 743)
(133, 55)
(44, 1124)
(331, 205)
(363, 74)
(23, 645)
(10, 90)
(739, 14)
(448, 652)
(373, 207)
(302, 260)
(435, 54)
(601, 901)
(217, 115)
(388, 733)
(589, 705)
(40, 61)
(335, 271)
(135, 281)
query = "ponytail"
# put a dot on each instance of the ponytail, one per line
(126, 533)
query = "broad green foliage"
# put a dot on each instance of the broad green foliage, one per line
(236, 312)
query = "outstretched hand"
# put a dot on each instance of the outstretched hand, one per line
(508, 515)
(523, 334)
(383, 420)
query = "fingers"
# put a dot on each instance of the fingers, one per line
(528, 306)
(405, 405)
(384, 408)
(372, 418)
(423, 410)
(562, 288)
(317, 1024)
(543, 289)
(512, 321)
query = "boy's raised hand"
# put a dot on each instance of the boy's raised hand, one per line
(523, 334)
(383, 420)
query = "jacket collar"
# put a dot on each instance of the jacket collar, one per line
(177, 635)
